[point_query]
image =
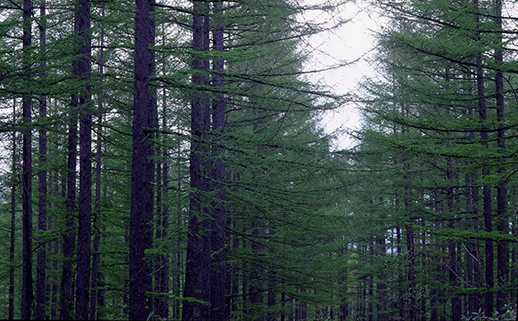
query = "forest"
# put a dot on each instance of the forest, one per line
(167, 160)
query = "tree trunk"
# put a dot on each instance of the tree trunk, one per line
(84, 239)
(198, 261)
(27, 294)
(488, 218)
(96, 276)
(42, 177)
(164, 268)
(142, 182)
(218, 176)
(13, 220)
(501, 198)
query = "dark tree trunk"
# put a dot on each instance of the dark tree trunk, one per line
(96, 275)
(501, 198)
(67, 295)
(42, 177)
(161, 307)
(488, 218)
(27, 294)
(456, 306)
(144, 130)
(69, 236)
(218, 176)
(198, 261)
(381, 285)
(475, 300)
(163, 312)
(13, 220)
(412, 305)
(55, 264)
(85, 163)
(424, 259)
(157, 300)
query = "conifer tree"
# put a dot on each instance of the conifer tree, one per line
(143, 167)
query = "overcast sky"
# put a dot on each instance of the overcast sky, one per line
(352, 41)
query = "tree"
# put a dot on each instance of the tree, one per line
(85, 163)
(143, 168)
(439, 61)
(27, 294)
(42, 180)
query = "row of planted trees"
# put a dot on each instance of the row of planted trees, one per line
(164, 160)
(437, 162)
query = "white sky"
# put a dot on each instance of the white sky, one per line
(352, 41)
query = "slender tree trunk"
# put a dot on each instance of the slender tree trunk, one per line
(501, 198)
(84, 239)
(424, 259)
(198, 261)
(96, 276)
(456, 306)
(27, 294)
(69, 236)
(218, 176)
(67, 295)
(13, 220)
(381, 285)
(142, 183)
(488, 218)
(157, 300)
(55, 264)
(410, 238)
(164, 268)
(42, 177)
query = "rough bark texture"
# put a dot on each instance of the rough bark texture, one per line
(142, 199)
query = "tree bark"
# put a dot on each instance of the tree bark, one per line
(198, 261)
(218, 175)
(142, 182)
(96, 275)
(13, 220)
(42, 177)
(84, 239)
(27, 294)
(488, 218)
(501, 198)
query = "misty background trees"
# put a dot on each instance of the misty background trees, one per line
(166, 160)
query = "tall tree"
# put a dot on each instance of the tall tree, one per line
(502, 220)
(96, 275)
(12, 246)
(218, 173)
(27, 293)
(41, 296)
(198, 264)
(85, 161)
(142, 180)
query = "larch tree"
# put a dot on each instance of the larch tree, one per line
(143, 168)
(27, 287)
(85, 160)
(41, 290)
